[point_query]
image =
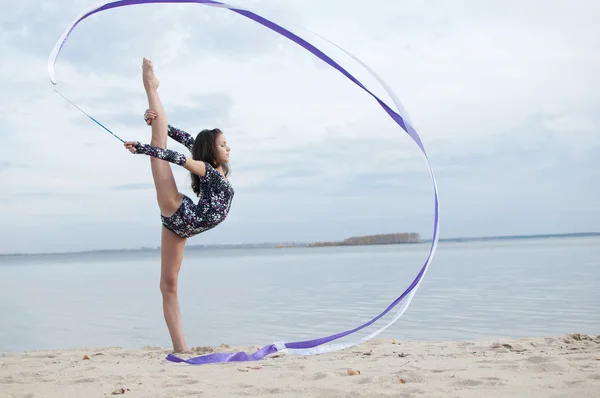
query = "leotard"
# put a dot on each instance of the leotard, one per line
(216, 192)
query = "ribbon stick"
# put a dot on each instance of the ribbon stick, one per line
(323, 344)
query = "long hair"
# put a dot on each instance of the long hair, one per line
(205, 149)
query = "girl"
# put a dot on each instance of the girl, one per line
(181, 217)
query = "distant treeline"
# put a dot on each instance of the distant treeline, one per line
(381, 239)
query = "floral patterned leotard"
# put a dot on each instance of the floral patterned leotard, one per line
(216, 193)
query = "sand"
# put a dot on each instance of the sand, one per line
(546, 367)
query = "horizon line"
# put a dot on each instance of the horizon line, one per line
(306, 244)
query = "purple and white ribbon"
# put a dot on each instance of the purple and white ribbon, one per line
(319, 345)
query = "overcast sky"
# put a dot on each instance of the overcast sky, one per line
(504, 95)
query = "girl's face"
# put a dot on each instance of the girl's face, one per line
(222, 149)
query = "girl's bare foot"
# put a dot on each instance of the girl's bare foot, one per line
(150, 80)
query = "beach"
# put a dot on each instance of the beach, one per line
(549, 367)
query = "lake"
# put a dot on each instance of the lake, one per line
(485, 289)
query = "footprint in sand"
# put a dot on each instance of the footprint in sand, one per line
(410, 376)
(440, 370)
(411, 393)
(468, 383)
(494, 381)
(364, 380)
(538, 359)
(495, 362)
(86, 380)
(7, 380)
(543, 365)
(259, 392)
(315, 376)
(189, 393)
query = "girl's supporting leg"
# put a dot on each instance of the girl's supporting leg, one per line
(168, 196)
(171, 257)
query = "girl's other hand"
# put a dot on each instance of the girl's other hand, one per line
(149, 116)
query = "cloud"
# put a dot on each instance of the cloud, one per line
(504, 100)
(8, 165)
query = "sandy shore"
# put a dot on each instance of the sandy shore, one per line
(550, 367)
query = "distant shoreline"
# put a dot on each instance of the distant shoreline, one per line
(521, 237)
(369, 240)
(275, 245)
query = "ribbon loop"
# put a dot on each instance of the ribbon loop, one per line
(316, 346)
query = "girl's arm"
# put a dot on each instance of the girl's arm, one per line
(194, 166)
(181, 136)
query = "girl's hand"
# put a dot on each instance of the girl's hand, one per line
(131, 146)
(149, 116)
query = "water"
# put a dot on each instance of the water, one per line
(472, 290)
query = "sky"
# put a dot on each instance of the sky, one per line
(504, 95)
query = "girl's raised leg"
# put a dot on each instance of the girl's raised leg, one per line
(168, 196)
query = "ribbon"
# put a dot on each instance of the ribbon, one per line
(316, 346)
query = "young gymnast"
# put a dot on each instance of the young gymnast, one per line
(181, 217)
